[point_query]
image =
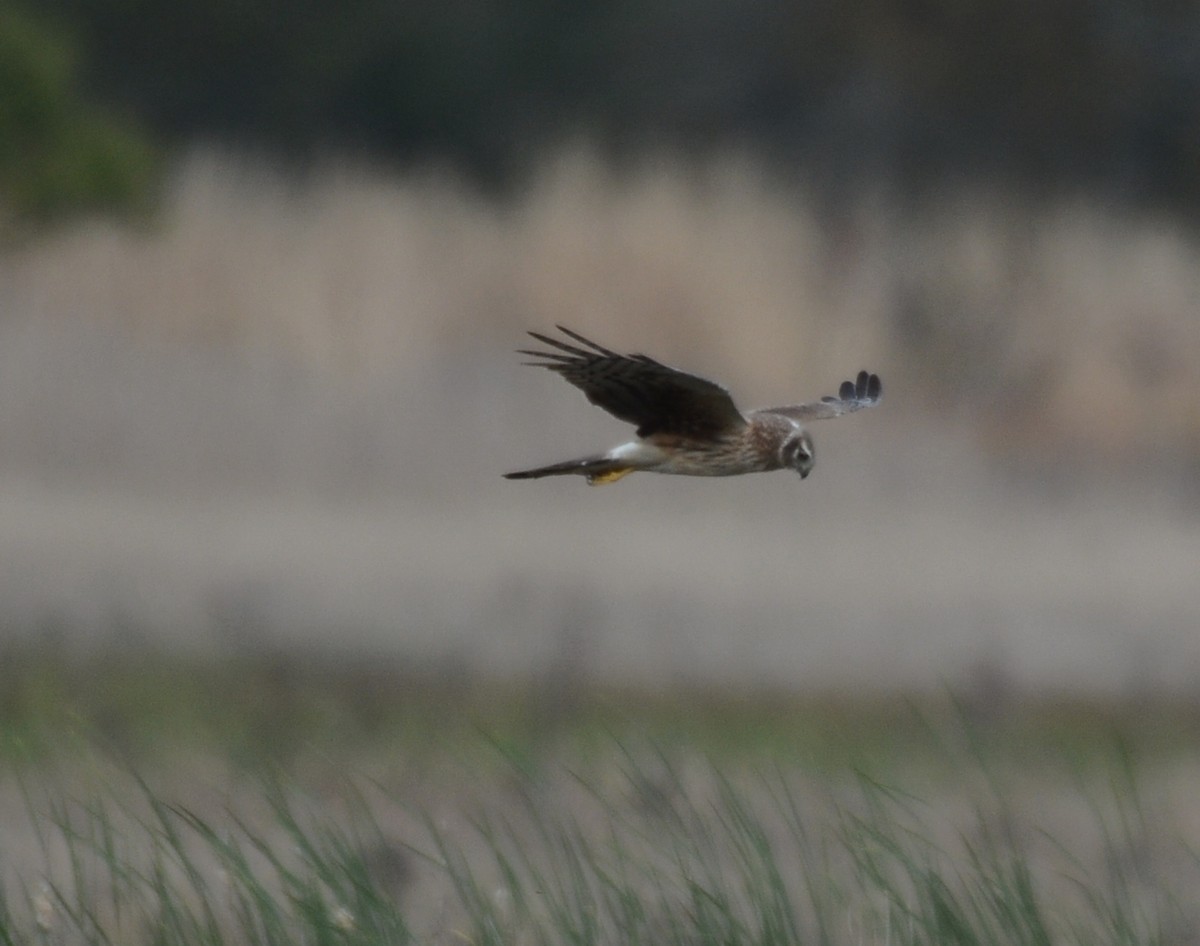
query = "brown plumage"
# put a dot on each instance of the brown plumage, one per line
(686, 425)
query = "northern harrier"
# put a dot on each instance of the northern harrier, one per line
(685, 424)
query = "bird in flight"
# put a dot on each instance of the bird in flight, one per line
(686, 425)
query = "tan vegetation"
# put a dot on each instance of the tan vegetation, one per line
(281, 416)
(1070, 321)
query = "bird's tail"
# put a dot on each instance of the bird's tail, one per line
(598, 470)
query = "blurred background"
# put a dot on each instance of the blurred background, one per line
(263, 267)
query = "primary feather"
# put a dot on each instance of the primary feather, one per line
(639, 390)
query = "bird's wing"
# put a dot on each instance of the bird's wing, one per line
(640, 390)
(864, 391)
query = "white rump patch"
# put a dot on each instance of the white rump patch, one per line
(636, 453)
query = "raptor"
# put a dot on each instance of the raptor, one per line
(686, 425)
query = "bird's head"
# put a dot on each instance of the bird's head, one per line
(797, 453)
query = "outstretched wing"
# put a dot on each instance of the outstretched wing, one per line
(864, 391)
(640, 390)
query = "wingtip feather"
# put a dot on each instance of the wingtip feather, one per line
(555, 343)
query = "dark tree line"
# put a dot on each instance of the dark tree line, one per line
(1057, 93)
(59, 154)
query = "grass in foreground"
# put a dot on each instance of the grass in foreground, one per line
(380, 812)
(668, 851)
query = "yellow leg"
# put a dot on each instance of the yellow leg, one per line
(602, 479)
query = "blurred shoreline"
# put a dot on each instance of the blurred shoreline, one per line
(1078, 598)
